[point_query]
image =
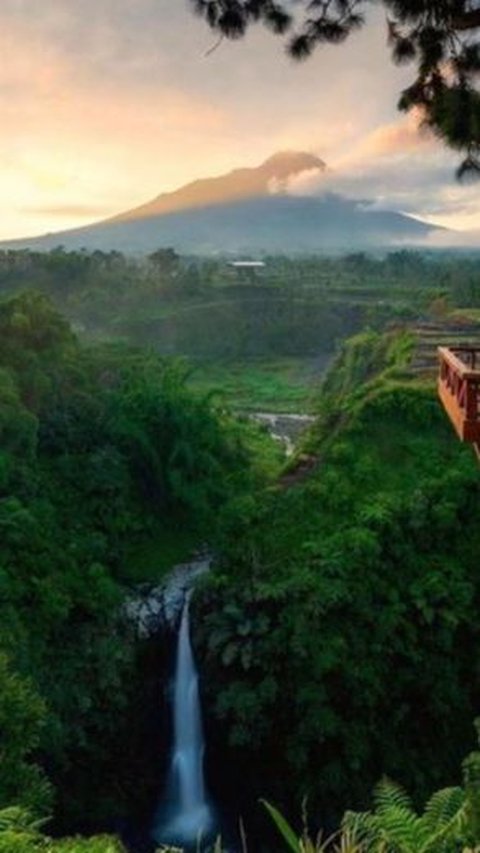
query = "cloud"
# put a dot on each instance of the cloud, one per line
(399, 166)
(73, 211)
(106, 103)
(402, 137)
(71, 143)
(398, 143)
(454, 239)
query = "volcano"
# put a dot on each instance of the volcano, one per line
(244, 211)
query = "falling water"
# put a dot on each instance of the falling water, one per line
(186, 815)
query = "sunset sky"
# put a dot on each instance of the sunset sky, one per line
(106, 103)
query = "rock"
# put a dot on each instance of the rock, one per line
(151, 608)
(284, 428)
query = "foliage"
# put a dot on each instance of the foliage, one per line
(361, 359)
(322, 591)
(262, 385)
(19, 833)
(449, 822)
(292, 309)
(102, 449)
(345, 841)
(395, 824)
(22, 717)
(331, 598)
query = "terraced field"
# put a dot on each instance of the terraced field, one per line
(455, 330)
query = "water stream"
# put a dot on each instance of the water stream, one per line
(284, 427)
(185, 815)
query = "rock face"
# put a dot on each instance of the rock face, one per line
(152, 608)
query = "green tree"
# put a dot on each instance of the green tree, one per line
(101, 450)
(334, 594)
(164, 261)
(22, 717)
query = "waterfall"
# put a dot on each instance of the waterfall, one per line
(186, 815)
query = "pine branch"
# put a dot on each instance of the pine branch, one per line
(467, 21)
(436, 37)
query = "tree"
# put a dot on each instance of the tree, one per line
(165, 261)
(22, 717)
(439, 36)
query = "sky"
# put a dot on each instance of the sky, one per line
(104, 104)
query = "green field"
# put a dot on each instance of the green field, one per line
(272, 385)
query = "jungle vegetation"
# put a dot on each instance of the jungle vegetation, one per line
(205, 309)
(103, 450)
(343, 607)
(263, 337)
(337, 635)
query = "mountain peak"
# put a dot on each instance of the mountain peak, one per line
(286, 163)
(238, 185)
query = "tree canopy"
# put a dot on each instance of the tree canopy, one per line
(439, 36)
(104, 454)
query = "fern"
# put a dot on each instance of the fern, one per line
(388, 794)
(19, 819)
(402, 829)
(446, 837)
(443, 806)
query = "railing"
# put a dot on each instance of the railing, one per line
(459, 389)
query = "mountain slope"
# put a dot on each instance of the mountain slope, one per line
(247, 210)
(272, 175)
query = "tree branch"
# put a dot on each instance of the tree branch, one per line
(468, 21)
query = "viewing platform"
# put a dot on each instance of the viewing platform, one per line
(459, 389)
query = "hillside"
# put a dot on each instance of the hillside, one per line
(366, 567)
(104, 453)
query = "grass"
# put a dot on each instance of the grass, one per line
(267, 384)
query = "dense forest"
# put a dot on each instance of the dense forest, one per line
(337, 633)
(366, 569)
(103, 451)
(208, 309)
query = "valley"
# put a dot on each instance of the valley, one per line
(240, 426)
(331, 564)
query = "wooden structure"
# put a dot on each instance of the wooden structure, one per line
(459, 390)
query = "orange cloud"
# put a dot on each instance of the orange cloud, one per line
(400, 138)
